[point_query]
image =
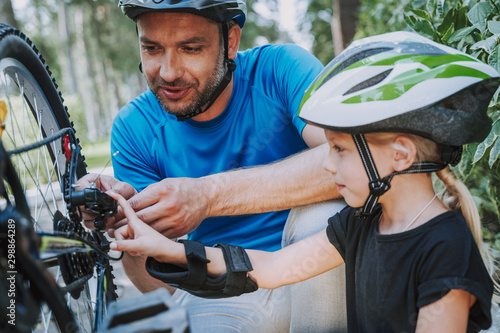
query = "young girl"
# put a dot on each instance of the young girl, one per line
(395, 108)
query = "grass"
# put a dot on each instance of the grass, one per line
(97, 154)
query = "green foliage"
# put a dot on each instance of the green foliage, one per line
(372, 13)
(258, 27)
(97, 155)
(474, 28)
(484, 185)
(318, 21)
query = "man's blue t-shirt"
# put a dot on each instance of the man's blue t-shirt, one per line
(259, 126)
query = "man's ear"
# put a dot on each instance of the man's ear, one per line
(405, 153)
(234, 35)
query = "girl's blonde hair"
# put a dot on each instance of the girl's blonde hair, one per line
(456, 196)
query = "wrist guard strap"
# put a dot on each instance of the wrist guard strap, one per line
(237, 266)
(195, 279)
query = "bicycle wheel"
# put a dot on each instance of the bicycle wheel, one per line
(35, 110)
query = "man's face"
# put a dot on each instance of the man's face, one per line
(182, 59)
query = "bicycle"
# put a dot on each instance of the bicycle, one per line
(56, 272)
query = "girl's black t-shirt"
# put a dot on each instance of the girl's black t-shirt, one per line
(389, 277)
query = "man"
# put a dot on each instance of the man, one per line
(188, 142)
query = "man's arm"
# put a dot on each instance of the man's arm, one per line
(295, 181)
(176, 206)
(270, 269)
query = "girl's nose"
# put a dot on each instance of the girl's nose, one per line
(329, 164)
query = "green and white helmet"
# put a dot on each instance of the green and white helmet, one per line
(402, 82)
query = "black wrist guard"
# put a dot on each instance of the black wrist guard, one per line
(195, 279)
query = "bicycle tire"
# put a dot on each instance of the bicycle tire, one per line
(25, 79)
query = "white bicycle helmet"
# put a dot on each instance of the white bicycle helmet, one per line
(221, 11)
(402, 82)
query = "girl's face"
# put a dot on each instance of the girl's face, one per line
(344, 162)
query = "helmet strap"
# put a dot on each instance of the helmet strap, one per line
(379, 186)
(230, 65)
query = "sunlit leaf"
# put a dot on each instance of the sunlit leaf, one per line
(421, 13)
(488, 44)
(494, 153)
(420, 25)
(478, 15)
(494, 58)
(460, 34)
(481, 148)
(494, 27)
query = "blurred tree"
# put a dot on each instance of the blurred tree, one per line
(333, 25)
(65, 40)
(317, 21)
(344, 21)
(7, 13)
(93, 52)
(258, 28)
(381, 16)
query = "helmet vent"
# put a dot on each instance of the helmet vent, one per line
(370, 82)
(352, 59)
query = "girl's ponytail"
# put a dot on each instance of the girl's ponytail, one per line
(457, 197)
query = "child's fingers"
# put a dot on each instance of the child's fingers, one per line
(128, 245)
(122, 233)
(127, 209)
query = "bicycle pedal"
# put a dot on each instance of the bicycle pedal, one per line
(152, 312)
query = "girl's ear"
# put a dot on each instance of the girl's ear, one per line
(405, 153)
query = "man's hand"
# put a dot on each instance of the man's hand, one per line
(174, 206)
(104, 183)
(137, 238)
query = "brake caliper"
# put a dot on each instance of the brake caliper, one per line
(67, 147)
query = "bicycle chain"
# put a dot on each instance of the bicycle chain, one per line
(75, 267)
(78, 268)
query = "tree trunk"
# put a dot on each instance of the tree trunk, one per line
(7, 14)
(69, 70)
(86, 86)
(95, 73)
(100, 69)
(344, 21)
(338, 39)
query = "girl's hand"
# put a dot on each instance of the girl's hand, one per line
(137, 237)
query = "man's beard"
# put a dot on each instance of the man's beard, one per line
(200, 99)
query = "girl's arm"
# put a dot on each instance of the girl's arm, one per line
(297, 262)
(449, 314)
